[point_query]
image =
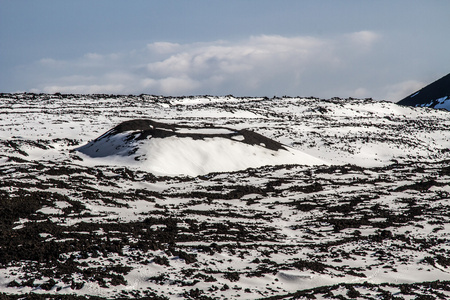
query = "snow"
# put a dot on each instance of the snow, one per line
(440, 103)
(215, 155)
(186, 156)
(107, 145)
(345, 160)
(214, 131)
(443, 103)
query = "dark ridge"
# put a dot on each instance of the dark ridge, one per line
(152, 129)
(141, 124)
(253, 138)
(438, 89)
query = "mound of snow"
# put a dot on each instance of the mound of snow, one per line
(186, 150)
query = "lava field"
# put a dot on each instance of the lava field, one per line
(371, 223)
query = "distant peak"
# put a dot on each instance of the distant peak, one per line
(432, 95)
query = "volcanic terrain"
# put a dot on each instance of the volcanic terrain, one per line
(349, 198)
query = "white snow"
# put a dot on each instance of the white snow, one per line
(216, 155)
(444, 103)
(441, 103)
(187, 156)
(205, 130)
(318, 132)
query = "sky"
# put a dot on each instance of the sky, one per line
(383, 50)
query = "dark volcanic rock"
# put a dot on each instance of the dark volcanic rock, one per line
(141, 129)
(429, 95)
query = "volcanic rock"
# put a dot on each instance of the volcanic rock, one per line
(434, 95)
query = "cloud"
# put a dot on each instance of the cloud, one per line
(163, 47)
(51, 63)
(398, 91)
(85, 89)
(364, 39)
(359, 93)
(259, 65)
(171, 85)
(93, 56)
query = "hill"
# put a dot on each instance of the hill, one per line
(171, 149)
(434, 95)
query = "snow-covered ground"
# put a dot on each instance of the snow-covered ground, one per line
(361, 211)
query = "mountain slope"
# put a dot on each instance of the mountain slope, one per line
(434, 95)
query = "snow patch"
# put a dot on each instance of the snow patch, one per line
(204, 130)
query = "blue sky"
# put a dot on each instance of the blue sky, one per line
(379, 49)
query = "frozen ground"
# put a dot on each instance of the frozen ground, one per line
(371, 223)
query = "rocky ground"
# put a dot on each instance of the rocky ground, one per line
(374, 224)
